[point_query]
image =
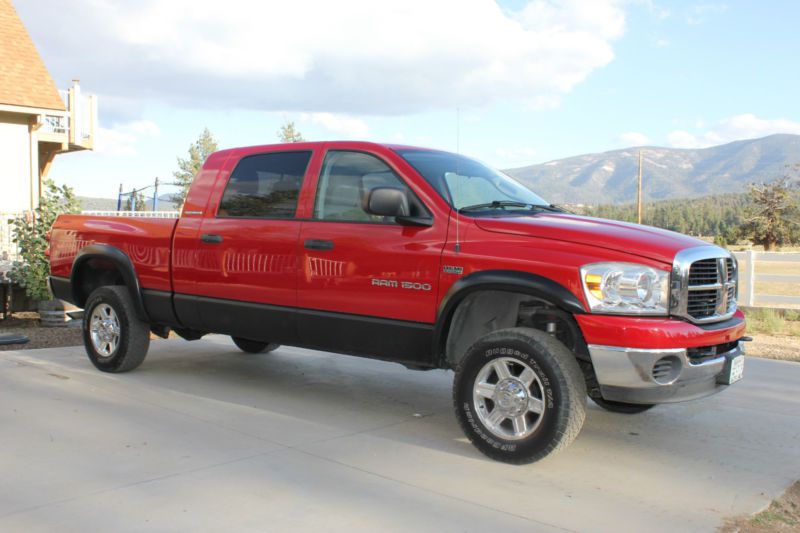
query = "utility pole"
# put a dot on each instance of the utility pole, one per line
(639, 192)
(155, 197)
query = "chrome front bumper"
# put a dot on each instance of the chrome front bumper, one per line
(635, 375)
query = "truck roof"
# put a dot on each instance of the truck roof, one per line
(310, 145)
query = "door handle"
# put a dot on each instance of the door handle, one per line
(316, 244)
(211, 239)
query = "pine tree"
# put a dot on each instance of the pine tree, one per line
(199, 151)
(772, 216)
(140, 203)
(288, 133)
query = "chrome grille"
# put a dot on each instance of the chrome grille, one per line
(704, 272)
(702, 304)
(704, 284)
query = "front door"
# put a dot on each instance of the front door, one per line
(367, 285)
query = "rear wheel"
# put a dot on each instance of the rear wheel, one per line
(254, 346)
(116, 340)
(519, 395)
(621, 407)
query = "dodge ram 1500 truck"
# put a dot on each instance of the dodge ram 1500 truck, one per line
(421, 257)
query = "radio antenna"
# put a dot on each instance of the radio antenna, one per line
(458, 176)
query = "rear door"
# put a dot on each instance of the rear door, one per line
(368, 285)
(246, 276)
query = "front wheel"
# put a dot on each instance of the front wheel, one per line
(254, 346)
(116, 340)
(519, 395)
(623, 408)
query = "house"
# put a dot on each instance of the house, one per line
(37, 121)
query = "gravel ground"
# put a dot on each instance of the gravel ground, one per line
(783, 347)
(28, 324)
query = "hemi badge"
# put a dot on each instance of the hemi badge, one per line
(449, 269)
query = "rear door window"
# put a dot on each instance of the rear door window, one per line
(265, 186)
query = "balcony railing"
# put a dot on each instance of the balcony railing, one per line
(76, 125)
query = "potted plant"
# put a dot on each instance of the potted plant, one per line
(30, 235)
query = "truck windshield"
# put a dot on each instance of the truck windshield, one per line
(471, 186)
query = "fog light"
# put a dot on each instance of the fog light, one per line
(666, 370)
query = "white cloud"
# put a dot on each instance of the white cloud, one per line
(698, 13)
(342, 124)
(662, 43)
(350, 56)
(746, 126)
(121, 139)
(634, 138)
(145, 127)
(682, 139)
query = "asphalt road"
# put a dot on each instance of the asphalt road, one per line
(205, 438)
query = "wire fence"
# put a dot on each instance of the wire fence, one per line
(8, 250)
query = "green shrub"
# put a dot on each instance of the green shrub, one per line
(30, 230)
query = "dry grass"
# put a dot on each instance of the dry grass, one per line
(777, 287)
(782, 515)
(772, 322)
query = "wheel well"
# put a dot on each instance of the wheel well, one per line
(485, 311)
(92, 274)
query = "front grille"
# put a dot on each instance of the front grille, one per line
(706, 284)
(702, 304)
(704, 272)
(706, 353)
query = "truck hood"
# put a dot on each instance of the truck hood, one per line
(644, 241)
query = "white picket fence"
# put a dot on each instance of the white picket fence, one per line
(136, 214)
(748, 264)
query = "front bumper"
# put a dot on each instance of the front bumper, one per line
(650, 376)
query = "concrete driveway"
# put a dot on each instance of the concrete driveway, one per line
(205, 438)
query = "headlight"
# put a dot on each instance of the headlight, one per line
(626, 288)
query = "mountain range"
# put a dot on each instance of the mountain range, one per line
(668, 173)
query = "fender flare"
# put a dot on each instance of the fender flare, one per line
(123, 264)
(536, 286)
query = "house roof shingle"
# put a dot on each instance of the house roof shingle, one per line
(24, 79)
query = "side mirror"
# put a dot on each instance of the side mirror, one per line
(386, 202)
(393, 202)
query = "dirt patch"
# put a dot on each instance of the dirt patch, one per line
(783, 514)
(783, 347)
(28, 324)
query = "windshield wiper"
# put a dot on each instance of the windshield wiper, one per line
(496, 204)
(502, 204)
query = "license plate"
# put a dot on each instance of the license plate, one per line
(736, 369)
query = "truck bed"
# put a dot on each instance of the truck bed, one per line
(147, 241)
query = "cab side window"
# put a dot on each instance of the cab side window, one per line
(345, 181)
(265, 186)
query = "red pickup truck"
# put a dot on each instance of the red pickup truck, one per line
(422, 257)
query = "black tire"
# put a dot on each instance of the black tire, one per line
(561, 387)
(623, 408)
(134, 334)
(254, 346)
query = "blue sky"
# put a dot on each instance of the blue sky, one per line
(533, 80)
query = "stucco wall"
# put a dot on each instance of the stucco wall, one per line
(15, 163)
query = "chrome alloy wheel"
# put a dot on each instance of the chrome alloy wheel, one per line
(509, 398)
(105, 330)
